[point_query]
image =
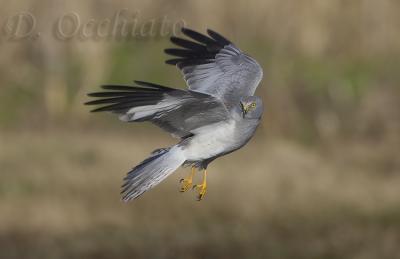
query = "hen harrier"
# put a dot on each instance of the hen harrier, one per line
(217, 115)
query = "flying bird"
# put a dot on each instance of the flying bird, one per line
(215, 116)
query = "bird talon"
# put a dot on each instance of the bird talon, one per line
(185, 184)
(202, 189)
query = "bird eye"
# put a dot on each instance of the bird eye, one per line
(253, 105)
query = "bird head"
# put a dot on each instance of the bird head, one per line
(252, 107)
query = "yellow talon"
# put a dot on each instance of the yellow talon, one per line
(202, 188)
(186, 183)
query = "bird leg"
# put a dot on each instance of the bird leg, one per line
(202, 188)
(186, 183)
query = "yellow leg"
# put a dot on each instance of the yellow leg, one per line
(202, 188)
(186, 183)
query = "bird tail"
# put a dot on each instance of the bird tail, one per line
(152, 171)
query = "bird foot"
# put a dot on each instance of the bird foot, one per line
(202, 189)
(186, 184)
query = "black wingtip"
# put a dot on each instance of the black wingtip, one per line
(118, 87)
(97, 110)
(88, 103)
(218, 37)
(95, 94)
(173, 62)
(153, 86)
(198, 36)
(184, 29)
(198, 49)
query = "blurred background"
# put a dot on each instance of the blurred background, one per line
(320, 179)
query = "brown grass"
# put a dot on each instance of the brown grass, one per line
(59, 199)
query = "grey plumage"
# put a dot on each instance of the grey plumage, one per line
(215, 116)
(214, 65)
(152, 171)
(176, 111)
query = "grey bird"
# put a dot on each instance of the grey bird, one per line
(215, 116)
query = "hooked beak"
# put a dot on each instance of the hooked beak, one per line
(245, 108)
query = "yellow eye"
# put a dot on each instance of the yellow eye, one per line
(253, 105)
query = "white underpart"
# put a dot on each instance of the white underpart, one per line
(211, 140)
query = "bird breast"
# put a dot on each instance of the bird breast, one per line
(211, 140)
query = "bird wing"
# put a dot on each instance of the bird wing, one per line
(214, 65)
(178, 112)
